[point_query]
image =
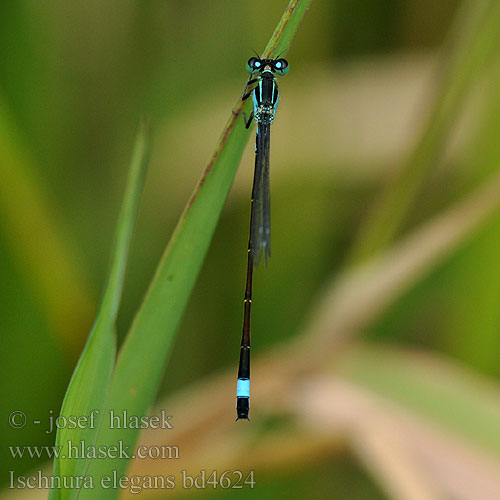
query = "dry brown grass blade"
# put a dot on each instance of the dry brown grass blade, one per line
(410, 457)
(355, 299)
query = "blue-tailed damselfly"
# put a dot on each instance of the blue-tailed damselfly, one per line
(265, 101)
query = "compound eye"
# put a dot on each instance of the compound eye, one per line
(253, 65)
(281, 66)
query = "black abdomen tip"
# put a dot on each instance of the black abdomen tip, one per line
(242, 408)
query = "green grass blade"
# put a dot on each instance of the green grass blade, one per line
(89, 386)
(287, 28)
(470, 318)
(142, 358)
(476, 38)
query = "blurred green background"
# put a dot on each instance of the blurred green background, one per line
(75, 78)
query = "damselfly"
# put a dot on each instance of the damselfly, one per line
(265, 101)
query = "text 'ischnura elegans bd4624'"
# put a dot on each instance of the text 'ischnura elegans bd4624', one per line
(264, 92)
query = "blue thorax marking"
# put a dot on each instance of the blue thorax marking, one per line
(265, 97)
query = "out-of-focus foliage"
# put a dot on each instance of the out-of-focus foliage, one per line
(74, 79)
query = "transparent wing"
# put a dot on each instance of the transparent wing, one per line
(260, 231)
(266, 205)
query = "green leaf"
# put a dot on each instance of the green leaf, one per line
(142, 358)
(89, 386)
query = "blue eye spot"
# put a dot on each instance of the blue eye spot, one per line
(278, 65)
(257, 64)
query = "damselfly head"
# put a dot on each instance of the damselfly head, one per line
(256, 65)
